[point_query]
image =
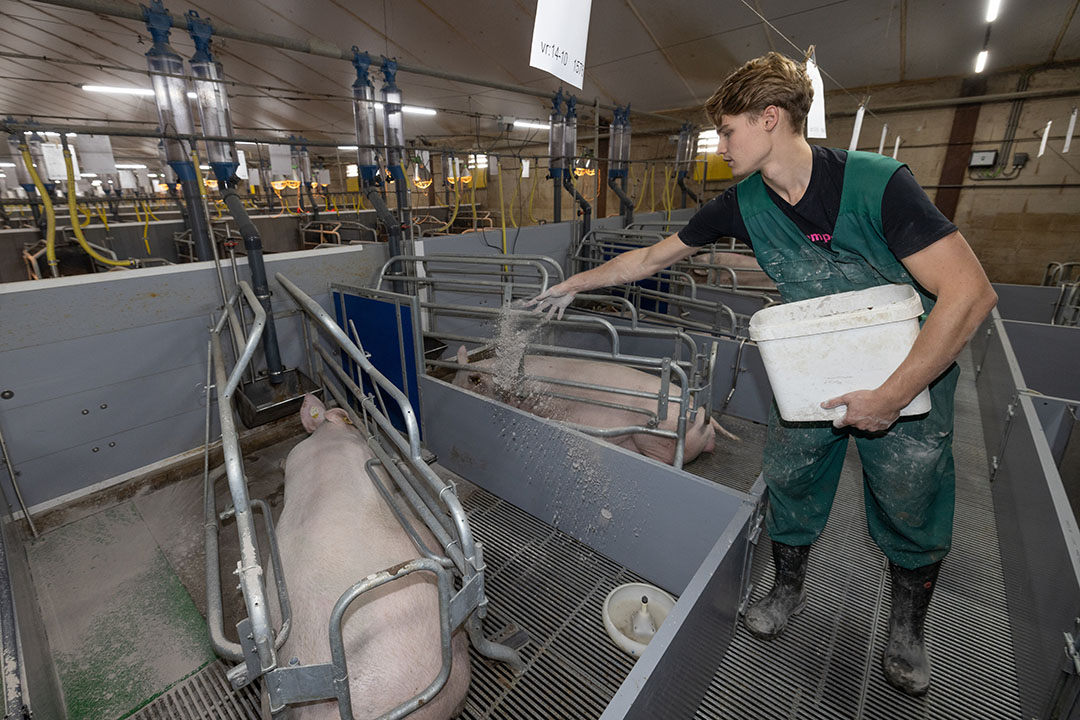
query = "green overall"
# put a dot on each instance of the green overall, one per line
(909, 481)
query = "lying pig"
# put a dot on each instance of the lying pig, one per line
(749, 274)
(534, 397)
(336, 529)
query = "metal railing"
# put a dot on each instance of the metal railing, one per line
(684, 373)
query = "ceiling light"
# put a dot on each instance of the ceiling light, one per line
(153, 175)
(201, 167)
(87, 174)
(245, 142)
(118, 90)
(96, 183)
(980, 62)
(992, 10)
(520, 124)
(192, 95)
(413, 110)
(7, 164)
(130, 166)
(72, 135)
(347, 147)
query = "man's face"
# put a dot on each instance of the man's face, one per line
(744, 143)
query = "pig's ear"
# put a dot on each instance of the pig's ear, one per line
(339, 416)
(312, 413)
(462, 355)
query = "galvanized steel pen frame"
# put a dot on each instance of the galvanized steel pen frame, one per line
(431, 498)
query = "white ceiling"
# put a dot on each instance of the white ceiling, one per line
(657, 55)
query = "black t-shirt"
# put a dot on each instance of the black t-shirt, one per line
(910, 221)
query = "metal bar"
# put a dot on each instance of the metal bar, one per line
(337, 643)
(15, 485)
(249, 347)
(279, 574)
(250, 569)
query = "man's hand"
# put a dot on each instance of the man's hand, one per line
(868, 410)
(556, 298)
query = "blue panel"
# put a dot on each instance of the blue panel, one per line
(386, 333)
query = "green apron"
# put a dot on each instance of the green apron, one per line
(909, 481)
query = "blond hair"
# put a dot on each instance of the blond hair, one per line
(771, 79)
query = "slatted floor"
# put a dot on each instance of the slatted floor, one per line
(827, 664)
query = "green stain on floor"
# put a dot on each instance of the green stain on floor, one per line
(121, 625)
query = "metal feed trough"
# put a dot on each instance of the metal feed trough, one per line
(684, 368)
(679, 294)
(431, 498)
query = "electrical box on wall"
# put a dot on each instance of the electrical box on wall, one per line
(983, 158)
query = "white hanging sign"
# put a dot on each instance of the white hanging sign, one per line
(881, 145)
(858, 127)
(525, 167)
(55, 167)
(1069, 132)
(96, 153)
(280, 161)
(896, 147)
(560, 34)
(127, 180)
(815, 120)
(1046, 134)
(253, 178)
(323, 176)
(241, 168)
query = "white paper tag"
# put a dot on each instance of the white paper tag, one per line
(323, 176)
(280, 161)
(1046, 134)
(1069, 132)
(425, 157)
(253, 179)
(241, 169)
(854, 144)
(815, 120)
(127, 180)
(96, 153)
(881, 145)
(55, 166)
(524, 167)
(896, 147)
(560, 34)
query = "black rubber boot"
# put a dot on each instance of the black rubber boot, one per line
(905, 662)
(768, 617)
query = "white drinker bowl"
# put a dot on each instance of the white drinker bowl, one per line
(623, 604)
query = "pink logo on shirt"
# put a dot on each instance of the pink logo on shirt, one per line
(819, 237)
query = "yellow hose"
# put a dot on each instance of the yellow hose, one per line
(502, 214)
(532, 194)
(453, 217)
(146, 225)
(641, 190)
(472, 196)
(85, 211)
(104, 220)
(50, 216)
(146, 206)
(75, 225)
(513, 200)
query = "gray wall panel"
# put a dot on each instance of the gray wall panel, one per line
(135, 341)
(1040, 553)
(1047, 355)
(656, 520)
(1032, 303)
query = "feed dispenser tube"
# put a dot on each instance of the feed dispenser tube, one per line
(174, 116)
(367, 162)
(394, 140)
(557, 161)
(619, 162)
(569, 153)
(683, 156)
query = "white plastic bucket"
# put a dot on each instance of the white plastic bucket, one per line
(820, 348)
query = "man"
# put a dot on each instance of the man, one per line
(820, 222)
